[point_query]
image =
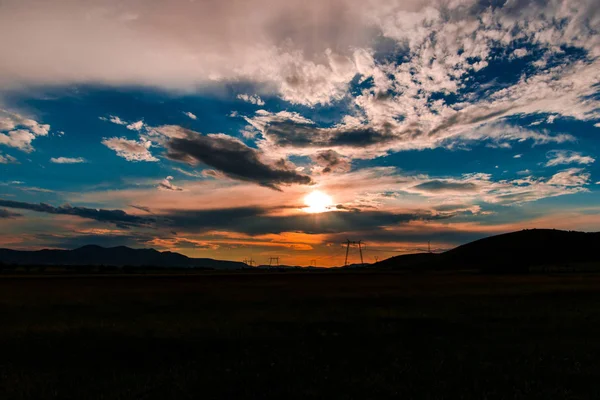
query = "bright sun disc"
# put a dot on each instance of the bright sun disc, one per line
(317, 202)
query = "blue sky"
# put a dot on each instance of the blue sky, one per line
(201, 129)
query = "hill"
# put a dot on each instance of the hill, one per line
(510, 252)
(113, 256)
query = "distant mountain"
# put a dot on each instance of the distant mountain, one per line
(113, 256)
(516, 251)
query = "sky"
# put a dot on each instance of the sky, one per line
(260, 128)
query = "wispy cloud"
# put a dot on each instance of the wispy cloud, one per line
(68, 160)
(8, 159)
(563, 157)
(117, 217)
(190, 115)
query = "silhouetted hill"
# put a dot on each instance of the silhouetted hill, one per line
(516, 251)
(113, 256)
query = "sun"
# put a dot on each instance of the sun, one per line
(317, 202)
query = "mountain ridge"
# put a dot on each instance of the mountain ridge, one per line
(111, 256)
(509, 252)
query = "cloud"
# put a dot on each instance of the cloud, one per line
(570, 177)
(136, 126)
(518, 156)
(190, 115)
(307, 52)
(290, 133)
(5, 214)
(19, 131)
(114, 119)
(19, 138)
(258, 220)
(191, 174)
(562, 157)
(331, 161)
(256, 100)
(8, 159)
(439, 186)
(480, 187)
(130, 150)
(231, 157)
(118, 217)
(518, 53)
(166, 184)
(68, 160)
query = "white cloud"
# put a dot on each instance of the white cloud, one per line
(251, 99)
(23, 137)
(190, 115)
(166, 184)
(114, 119)
(130, 150)
(68, 160)
(597, 125)
(562, 157)
(136, 126)
(518, 53)
(192, 174)
(570, 177)
(19, 138)
(518, 156)
(8, 159)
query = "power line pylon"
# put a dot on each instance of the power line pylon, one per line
(313, 263)
(429, 246)
(273, 259)
(250, 262)
(348, 244)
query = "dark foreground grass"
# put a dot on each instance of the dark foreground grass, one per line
(300, 335)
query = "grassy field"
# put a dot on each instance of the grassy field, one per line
(297, 335)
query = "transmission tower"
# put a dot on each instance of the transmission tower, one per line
(273, 261)
(313, 263)
(429, 246)
(353, 243)
(250, 262)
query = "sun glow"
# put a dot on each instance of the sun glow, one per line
(317, 202)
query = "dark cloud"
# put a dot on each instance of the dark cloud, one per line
(331, 161)
(231, 157)
(8, 214)
(256, 220)
(141, 208)
(445, 186)
(118, 217)
(294, 134)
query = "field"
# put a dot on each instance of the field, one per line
(298, 335)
